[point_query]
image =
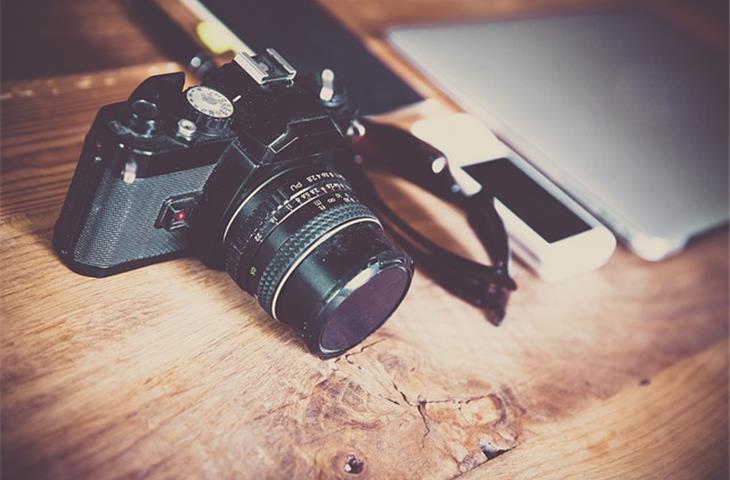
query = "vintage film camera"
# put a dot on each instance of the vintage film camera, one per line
(242, 171)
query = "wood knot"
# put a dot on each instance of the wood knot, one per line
(492, 450)
(353, 465)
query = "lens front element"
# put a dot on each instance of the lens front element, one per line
(362, 306)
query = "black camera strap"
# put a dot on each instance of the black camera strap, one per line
(384, 148)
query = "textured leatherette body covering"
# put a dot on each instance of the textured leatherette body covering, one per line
(120, 227)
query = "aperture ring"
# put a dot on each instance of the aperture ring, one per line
(251, 227)
(241, 231)
(290, 251)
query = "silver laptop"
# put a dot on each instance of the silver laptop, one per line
(625, 112)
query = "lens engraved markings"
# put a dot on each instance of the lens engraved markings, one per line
(306, 196)
(338, 192)
(310, 211)
(314, 178)
(294, 193)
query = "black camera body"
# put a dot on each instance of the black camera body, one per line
(246, 172)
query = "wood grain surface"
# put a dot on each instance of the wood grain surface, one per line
(171, 371)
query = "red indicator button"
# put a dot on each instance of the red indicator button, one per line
(176, 211)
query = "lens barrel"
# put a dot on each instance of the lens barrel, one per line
(316, 258)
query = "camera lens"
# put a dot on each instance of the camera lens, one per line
(315, 258)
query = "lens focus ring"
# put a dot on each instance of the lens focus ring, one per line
(292, 251)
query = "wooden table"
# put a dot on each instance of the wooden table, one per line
(171, 371)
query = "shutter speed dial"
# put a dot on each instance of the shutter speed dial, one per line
(210, 110)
